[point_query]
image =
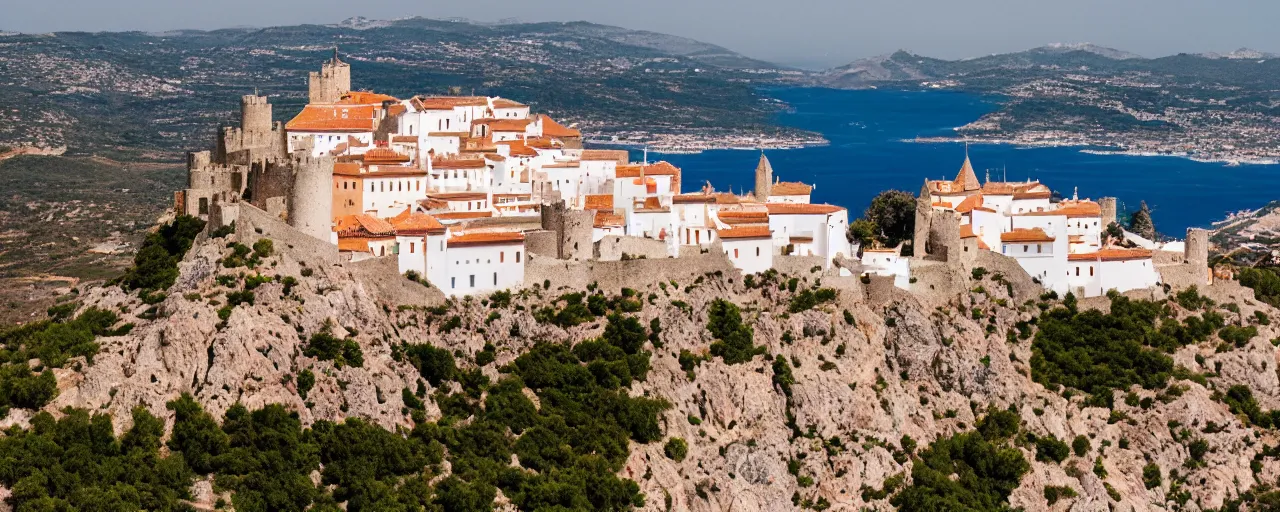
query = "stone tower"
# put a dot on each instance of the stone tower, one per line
(1108, 205)
(332, 82)
(924, 216)
(255, 116)
(764, 178)
(310, 200)
(573, 230)
(1197, 247)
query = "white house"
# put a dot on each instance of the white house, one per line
(749, 247)
(482, 262)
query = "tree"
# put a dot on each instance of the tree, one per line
(1140, 223)
(894, 214)
(864, 232)
(737, 340)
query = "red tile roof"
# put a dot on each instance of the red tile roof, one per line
(607, 219)
(618, 155)
(550, 128)
(462, 215)
(504, 125)
(1111, 255)
(365, 98)
(598, 202)
(409, 223)
(790, 188)
(470, 239)
(334, 118)
(1026, 235)
(744, 232)
(458, 163)
(801, 209)
(969, 203)
(653, 169)
(356, 225)
(448, 102)
(693, 198)
(384, 156)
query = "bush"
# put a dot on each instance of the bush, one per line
(263, 248)
(436, 365)
(1053, 493)
(736, 339)
(967, 471)
(1049, 448)
(1151, 475)
(306, 380)
(676, 449)
(1080, 445)
(1097, 353)
(327, 347)
(155, 267)
(808, 299)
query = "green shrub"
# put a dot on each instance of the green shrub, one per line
(327, 347)
(155, 267)
(1080, 445)
(676, 449)
(967, 471)
(263, 248)
(1053, 493)
(1151, 475)
(436, 365)
(736, 339)
(1049, 448)
(808, 299)
(306, 380)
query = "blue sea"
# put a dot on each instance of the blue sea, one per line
(868, 154)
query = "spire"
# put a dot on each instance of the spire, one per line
(966, 179)
(764, 177)
(1075, 194)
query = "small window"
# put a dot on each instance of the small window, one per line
(735, 253)
(495, 279)
(1039, 248)
(473, 280)
(757, 251)
(453, 282)
(517, 256)
(1026, 248)
(411, 248)
(1077, 271)
(1090, 271)
(502, 256)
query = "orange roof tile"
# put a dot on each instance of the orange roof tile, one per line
(1111, 255)
(458, 163)
(346, 168)
(354, 225)
(365, 98)
(942, 204)
(506, 103)
(519, 148)
(801, 209)
(598, 202)
(1032, 194)
(383, 156)
(409, 223)
(606, 219)
(405, 139)
(790, 188)
(504, 125)
(969, 203)
(652, 203)
(334, 118)
(448, 102)
(1026, 235)
(743, 232)
(469, 239)
(966, 231)
(550, 128)
(394, 171)
(693, 198)
(653, 169)
(462, 215)
(743, 217)
(353, 244)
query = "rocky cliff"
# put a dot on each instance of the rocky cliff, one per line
(870, 386)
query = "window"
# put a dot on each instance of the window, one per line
(1039, 248)
(1026, 248)
(757, 251)
(382, 251)
(517, 256)
(411, 248)
(453, 282)
(735, 253)
(1077, 271)
(502, 256)
(495, 279)
(1090, 271)
(473, 280)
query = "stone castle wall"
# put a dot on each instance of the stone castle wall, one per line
(309, 203)
(613, 247)
(615, 275)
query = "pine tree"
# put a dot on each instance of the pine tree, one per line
(1140, 223)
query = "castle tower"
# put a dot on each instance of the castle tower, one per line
(255, 116)
(764, 178)
(331, 83)
(1108, 205)
(311, 198)
(1197, 247)
(924, 216)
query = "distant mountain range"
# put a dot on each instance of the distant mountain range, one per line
(1050, 60)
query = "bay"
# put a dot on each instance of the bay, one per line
(871, 150)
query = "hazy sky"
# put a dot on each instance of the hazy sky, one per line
(800, 32)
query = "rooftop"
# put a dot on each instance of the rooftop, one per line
(1026, 235)
(501, 238)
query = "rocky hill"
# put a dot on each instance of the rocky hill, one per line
(779, 391)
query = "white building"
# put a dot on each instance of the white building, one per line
(750, 248)
(478, 263)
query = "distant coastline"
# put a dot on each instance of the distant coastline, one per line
(1096, 149)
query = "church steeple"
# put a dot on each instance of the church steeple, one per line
(966, 179)
(764, 178)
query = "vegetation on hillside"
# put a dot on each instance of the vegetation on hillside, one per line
(155, 267)
(888, 221)
(971, 471)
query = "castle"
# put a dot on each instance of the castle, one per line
(465, 190)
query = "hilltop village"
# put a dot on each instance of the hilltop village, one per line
(463, 191)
